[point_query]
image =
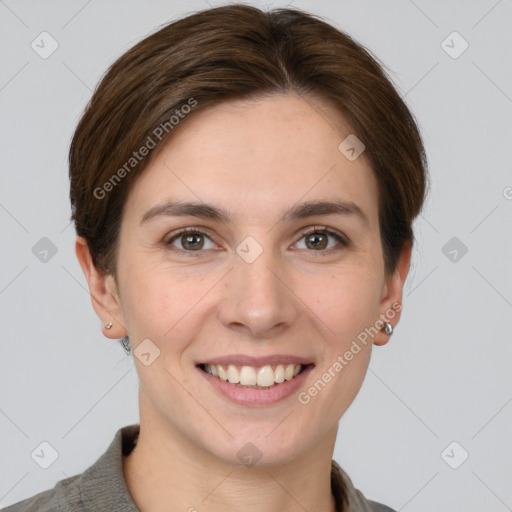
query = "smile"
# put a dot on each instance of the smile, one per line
(255, 386)
(254, 377)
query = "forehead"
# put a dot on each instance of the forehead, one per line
(256, 158)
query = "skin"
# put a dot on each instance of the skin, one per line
(257, 160)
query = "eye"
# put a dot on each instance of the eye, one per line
(190, 240)
(317, 238)
(193, 240)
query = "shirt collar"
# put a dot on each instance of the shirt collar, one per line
(103, 486)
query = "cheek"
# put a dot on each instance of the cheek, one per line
(349, 379)
(164, 303)
(347, 302)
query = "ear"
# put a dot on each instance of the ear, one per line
(104, 294)
(391, 303)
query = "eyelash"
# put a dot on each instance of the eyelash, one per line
(316, 229)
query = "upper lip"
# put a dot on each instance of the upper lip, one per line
(246, 360)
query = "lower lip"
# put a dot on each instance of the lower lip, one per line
(254, 396)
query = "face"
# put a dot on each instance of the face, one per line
(266, 276)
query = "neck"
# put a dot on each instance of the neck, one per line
(166, 471)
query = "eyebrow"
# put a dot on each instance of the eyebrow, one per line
(300, 211)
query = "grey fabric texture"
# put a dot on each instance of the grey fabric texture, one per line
(102, 487)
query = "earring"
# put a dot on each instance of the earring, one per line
(109, 325)
(125, 343)
(388, 328)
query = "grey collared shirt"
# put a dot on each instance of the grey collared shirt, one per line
(102, 488)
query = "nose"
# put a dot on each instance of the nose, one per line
(258, 298)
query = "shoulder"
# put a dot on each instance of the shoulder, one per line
(349, 497)
(99, 487)
(360, 502)
(64, 497)
(379, 507)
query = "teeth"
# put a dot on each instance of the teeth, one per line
(222, 373)
(247, 376)
(279, 374)
(233, 375)
(265, 376)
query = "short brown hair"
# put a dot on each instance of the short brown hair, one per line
(230, 53)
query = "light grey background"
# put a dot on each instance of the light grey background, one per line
(445, 374)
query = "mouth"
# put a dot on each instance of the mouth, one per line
(255, 377)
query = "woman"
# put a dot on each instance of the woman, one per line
(243, 186)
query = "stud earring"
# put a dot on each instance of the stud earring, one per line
(109, 325)
(388, 328)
